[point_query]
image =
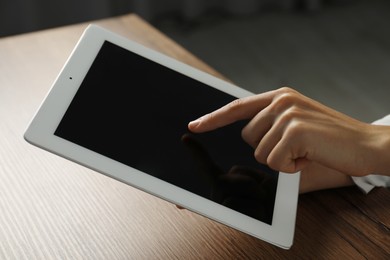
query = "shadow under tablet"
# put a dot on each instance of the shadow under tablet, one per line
(136, 111)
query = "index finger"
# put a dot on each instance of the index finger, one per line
(239, 109)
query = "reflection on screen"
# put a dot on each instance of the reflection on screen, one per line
(135, 111)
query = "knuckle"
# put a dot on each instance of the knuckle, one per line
(286, 89)
(209, 117)
(291, 114)
(292, 122)
(295, 128)
(259, 156)
(283, 102)
(262, 151)
(235, 105)
(247, 136)
(244, 134)
(287, 98)
(246, 131)
(271, 163)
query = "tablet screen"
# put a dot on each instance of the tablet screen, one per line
(136, 111)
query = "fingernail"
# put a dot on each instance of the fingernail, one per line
(194, 123)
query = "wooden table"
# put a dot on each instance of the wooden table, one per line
(51, 208)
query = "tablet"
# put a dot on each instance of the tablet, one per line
(122, 110)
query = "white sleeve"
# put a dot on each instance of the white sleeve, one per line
(367, 183)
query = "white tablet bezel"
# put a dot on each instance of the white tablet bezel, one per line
(40, 132)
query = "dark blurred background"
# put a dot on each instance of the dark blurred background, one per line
(335, 51)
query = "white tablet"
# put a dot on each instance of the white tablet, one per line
(122, 110)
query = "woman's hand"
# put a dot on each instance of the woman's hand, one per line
(291, 132)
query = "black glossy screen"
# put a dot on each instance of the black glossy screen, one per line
(135, 111)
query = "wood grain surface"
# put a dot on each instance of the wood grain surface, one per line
(51, 208)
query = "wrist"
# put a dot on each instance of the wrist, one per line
(380, 149)
(318, 177)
